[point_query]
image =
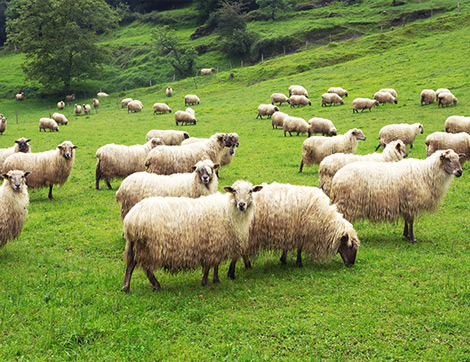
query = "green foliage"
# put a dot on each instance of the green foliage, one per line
(205, 8)
(239, 43)
(271, 46)
(274, 6)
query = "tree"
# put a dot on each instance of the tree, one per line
(273, 6)
(59, 38)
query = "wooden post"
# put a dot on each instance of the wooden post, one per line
(68, 110)
(262, 58)
(179, 86)
(50, 116)
(306, 44)
(284, 49)
(150, 82)
(16, 111)
(174, 75)
(330, 38)
(241, 63)
(217, 69)
(458, 7)
(230, 63)
(195, 82)
(381, 26)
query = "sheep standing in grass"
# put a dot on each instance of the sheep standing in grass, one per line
(169, 137)
(191, 99)
(459, 142)
(47, 168)
(456, 124)
(380, 191)
(442, 90)
(278, 119)
(215, 228)
(168, 91)
(392, 91)
(160, 108)
(185, 117)
(19, 96)
(446, 99)
(77, 109)
(297, 100)
(3, 124)
(331, 98)
(294, 124)
(60, 118)
(395, 151)
(48, 123)
(321, 125)
(363, 103)
(125, 102)
(427, 96)
(339, 91)
(134, 106)
(266, 110)
(316, 148)
(70, 97)
(385, 97)
(119, 161)
(60, 105)
(297, 90)
(14, 201)
(405, 132)
(21, 145)
(86, 108)
(140, 185)
(279, 97)
(96, 103)
(207, 71)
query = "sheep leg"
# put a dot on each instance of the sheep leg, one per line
(283, 257)
(107, 183)
(411, 235)
(215, 278)
(50, 193)
(405, 230)
(301, 166)
(247, 262)
(131, 263)
(299, 258)
(231, 269)
(205, 276)
(152, 279)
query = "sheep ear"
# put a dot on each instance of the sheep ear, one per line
(398, 146)
(59, 147)
(216, 166)
(229, 189)
(28, 140)
(257, 188)
(5, 176)
(75, 147)
(193, 168)
(26, 174)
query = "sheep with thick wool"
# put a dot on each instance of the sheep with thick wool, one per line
(339, 91)
(316, 148)
(185, 117)
(191, 99)
(297, 90)
(459, 142)
(207, 71)
(169, 91)
(169, 137)
(21, 145)
(456, 124)
(442, 90)
(403, 131)
(446, 99)
(277, 119)
(77, 109)
(266, 110)
(125, 102)
(119, 161)
(160, 108)
(60, 105)
(48, 123)
(385, 97)
(321, 125)
(102, 94)
(295, 124)
(392, 91)
(134, 106)
(394, 152)
(427, 96)
(47, 168)
(210, 229)
(60, 118)
(279, 97)
(380, 191)
(298, 100)
(363, 103)
(3, 124)
(140, 185)
(331, 98)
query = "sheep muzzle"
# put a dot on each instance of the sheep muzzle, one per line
(348, 253)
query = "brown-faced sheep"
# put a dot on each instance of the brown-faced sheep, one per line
(331, 98)
(169, 137)
(134, 106)
(125, 102)
(392, 91)
(3, 124)
(298, 100)
(277, 119)
(169, 91)
(427, 96)
(191, 99)
(279, 97)
(60, 118)
(77, 109)
(48, 123)
(446, 99)
(297, 90)
(294, 124)
(385, 97)
(321, 125)
(207, 71)
(459, 142)
(21, 145)
(185, 117)
(405, 132)
(60, 105)
(160, 108)
(339, 91)
(266, 110)
(363, 103)
(456, 124)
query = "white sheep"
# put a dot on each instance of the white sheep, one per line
(86, 108)
(298, 100)
(168, 91)
(446, 99)
(331, 98)
(380, 191)
(456, 124)
(392, 91)
(184, 117)
(134, 106)
(405, 132)
(321, 125)
(207, 71)
(442, 90)
(19, 96)
(339, 91)
(60, 118)
(278, 119)
(161, 108)
(385, 97)
(297, 90)
(266, 110)
(48, 123)
(77, 109)
(294, 124)
(125, 102)
(47, 168)
(169, 137)
(279, 97)
(427, 96)
(459, 142)
(363, 103)
(191, 99)
(3, 124)
(316, 148)
(96, 103)
(21, 145)
(60, 105)
(101, 94)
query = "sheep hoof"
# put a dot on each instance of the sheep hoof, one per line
(125, 289)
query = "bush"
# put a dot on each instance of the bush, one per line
(270, 46)
(239, 43)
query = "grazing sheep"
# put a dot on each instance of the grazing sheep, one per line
(191, 99)
(134, 106)
(405, 132)
(294, 124)
(385, 97)
(446, 99)
(339, 91)
(214, 228)
(60, 105)
(47, 168)
(169, 137)
(168, 91)
(278, 119)
(190, 111)
(456, 124)
(266, 110)
(427, 96)
(321, 125)
(185, 117)
(140, 185)
(279, 97)
(86, 108)
(161, 108)
(21, 145)
(380, 191)
(70, 97)
(14, 201)
(119, 161)
(125, 102)
(19, 96)
(166, 160)
(297, 90)
(316, 148)
(207, 71)
(331, 98)
(101, 94)
(96, 103)
(389, 90)
(3, 124)
(442, 90)
(297, 100)
(363, 103)
(77, 109)
(459, 142)
(395, 151)
(60, 118)
(48, 123)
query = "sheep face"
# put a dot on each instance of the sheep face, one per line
(205, 171)
(67, 150)
(242, 194)
(358, 134)
(420, 126)
(348, 249)
(16, 179)
(155, 141)
(186, 135)
(450, 162)
(333, 132)
(401, 148)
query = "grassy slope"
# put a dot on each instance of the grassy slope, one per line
(59, 283)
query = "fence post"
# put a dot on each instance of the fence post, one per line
(195, 82)
(306, 44)
(230, 63)
(150, 82)
(50, 116)
(262, 58)
(174, 75)
(241, 63)
(284, 49)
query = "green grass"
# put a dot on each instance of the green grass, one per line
(60, 281)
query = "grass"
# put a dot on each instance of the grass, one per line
(60, 281)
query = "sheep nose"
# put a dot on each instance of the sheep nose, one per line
(67, 156)
(205, 179)
(242, 205)
(17, 187)
(458, 173)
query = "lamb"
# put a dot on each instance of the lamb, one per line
(297, 90)
(405, 132)
(297, 100)
(339, 91)
(295, 124)
(385, 97)
(96, 103)
(456, 124)
(331, 98)
(266, 110)
(279, 97)
(316, 148)
(60, 105)
(70, 97)
(48, 123)
(168, 91)
(77, 109)
(363, 103)
(458, 142)
(21, 145)
(14, 201)
(380, 191)
(101, 94)
(395, 151)
(321, 125)
(185, 117)
(140, 185)
(19, 96)
(207, 71)
(125, 102)
(161, 108)
(166, 160)
(392, 91)
(60, 118)
(134, 106)
(3, 124)
(278, 119)
(47, 168)
(119, 161)
(446, 99)
(86, 108)
(215, 228)
(427, 96)
(169, 137)
(191, 99)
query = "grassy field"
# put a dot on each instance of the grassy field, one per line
(60, 281)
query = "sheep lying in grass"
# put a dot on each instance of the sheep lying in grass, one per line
(278, 97)
(380, 191)
(119, 161)
(446, 99)
(395, 151)
(297, 90)
(60, 118)
(60, 105)
(77, 109)
(47, 168)
(3, 124)
(266, 110)
(161, 108)
(187, 116)
(427, 96)
(392, 91)
(134, 106)
(339, 91)
(14, 201)
(316, 148)
(363, 103)
(140, 185)
(458, 142)
(215, 228)
(321, 125)
(405, 132)
(125, 102)
(169, 137)
(297, 100)
(385, 97)
(278, 118)
(169, 91)
(191, 99)
(48, 123)
(295, 124)
(331, 98)
(21, 145)
(456, 124)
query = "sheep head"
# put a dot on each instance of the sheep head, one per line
(357, 133)
(348, 247)
(16, 179)
(66, 150)
(242, 194)
(450, 162)
(205, 170)
(23, 145)
(155, 141)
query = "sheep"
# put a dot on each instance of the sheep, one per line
(21, 145)
(297, 100)
(60, 118)
(140, 185)
(316, 148)
(266, 110)
(321, 125)
(168, 91)
(48, 123)
(119, 161)
(86, 108)
(380, 191)
(389, 90)
(14, 201)
(279, 97)
(125, 102)
(166, 160)
(278, 119)
(77, 109)
(395, 151)
(207, 71)
(190, 111)
(3, 124)
(385, 97)
(161, 108)
(134, 106)
(458, 142)
(215, 228)
(363, 103)
(294, 124)
(442, 90)
(60, 105)
(446, 99)
(96, 103)
(289, 217)
(70, 97)
(456, 124)
(191, 99)
(405, 132)
(47, 168)
(101, 94)
(427, 96)
(184, 117)
(169, 137)
(297, 90)
(339, 91)
(331, 98)
(19, 96)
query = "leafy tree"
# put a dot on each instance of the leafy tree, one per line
(273, 6)
(205, 8)
(59, 38)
